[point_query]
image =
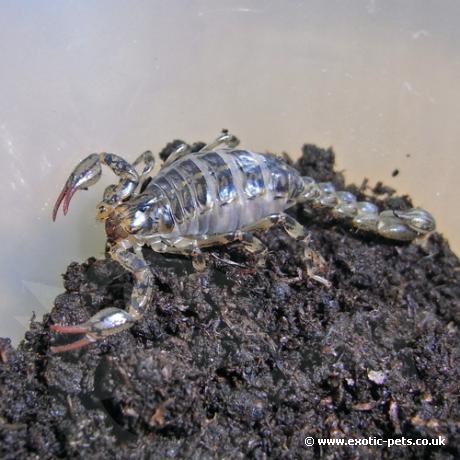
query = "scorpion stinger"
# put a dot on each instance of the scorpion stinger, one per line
(88, 172)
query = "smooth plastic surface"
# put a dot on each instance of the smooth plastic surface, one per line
(377, 80)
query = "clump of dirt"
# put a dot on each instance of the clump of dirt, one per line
(247, 359)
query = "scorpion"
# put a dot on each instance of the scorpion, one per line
(202, 199)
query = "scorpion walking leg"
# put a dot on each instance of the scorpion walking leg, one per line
(88, 172)
(180, 245)
(148, 160)
(192, 246)
(290, 225)
(313, 260)
(180, 151)
(251, 243)
(112, 320)
(225, 138)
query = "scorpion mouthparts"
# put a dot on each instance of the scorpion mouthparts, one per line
(72, 346)
(65, 196)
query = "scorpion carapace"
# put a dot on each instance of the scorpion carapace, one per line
(203, 199)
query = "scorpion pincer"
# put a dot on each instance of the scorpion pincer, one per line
(198, 200)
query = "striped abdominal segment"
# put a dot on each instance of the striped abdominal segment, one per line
(223, 191)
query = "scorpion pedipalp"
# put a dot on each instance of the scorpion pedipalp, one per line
(88, 172)
(112, 320)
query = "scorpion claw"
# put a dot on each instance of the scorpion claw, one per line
(104, 323)
(69, 329)
(85, 174)
(65, 196)
(82, 329)
(73, 345)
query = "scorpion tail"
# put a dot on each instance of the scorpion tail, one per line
(396, 225)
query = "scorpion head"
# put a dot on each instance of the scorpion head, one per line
(140, 215)
(124, 212)
(120, 220)
(113, 216)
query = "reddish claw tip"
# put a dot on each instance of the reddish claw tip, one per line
(67, 199)
(72, 346)
(65, 196)
(59, 201)
(68, 329)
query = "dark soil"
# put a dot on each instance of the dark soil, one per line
(246, 360)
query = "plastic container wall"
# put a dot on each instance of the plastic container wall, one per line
(377, 80)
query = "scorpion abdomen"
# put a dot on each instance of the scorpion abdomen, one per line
(223, 191)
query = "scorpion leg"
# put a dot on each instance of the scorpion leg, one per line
(313, 261)
(88, 172)
(251, 243)
(112, 320)
(180, 245)
(191, 246)
(180, 151)
(290, 225)
(225, 138)
(148, 160)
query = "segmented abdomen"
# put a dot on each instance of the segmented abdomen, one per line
(223, 191)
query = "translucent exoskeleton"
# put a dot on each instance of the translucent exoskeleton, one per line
(203, 199)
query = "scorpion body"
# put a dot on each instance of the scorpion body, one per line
(203, 199)
(217, 192)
